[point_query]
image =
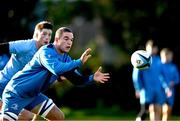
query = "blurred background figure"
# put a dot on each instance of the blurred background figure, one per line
(148, 87)
(171, 76)
(3, 60)
(155, 90)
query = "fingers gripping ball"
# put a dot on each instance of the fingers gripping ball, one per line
(141, 59)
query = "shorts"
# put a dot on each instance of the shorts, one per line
(3, 83)
(14, 104)
(155, 97)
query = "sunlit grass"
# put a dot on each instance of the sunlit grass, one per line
(111, 114)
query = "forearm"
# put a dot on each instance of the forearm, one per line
(163, 82)
(136, 84)
(4, 48)
(77, 78)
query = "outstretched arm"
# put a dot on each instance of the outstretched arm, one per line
(78, 79)
(50, 61)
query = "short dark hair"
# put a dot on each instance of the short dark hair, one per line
(61, 30)
(42, 25)
(151, 42)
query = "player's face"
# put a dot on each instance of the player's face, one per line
(166, 57)
(44, 36)
(152, 49)
(65, 42)
(163, 57)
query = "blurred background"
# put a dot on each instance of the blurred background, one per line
(114, 29)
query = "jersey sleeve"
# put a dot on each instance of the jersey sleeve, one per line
(136, 79)
(176, 75)
(162, 78)
(49, 60)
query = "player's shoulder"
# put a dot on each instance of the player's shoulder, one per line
(23, 43)
(174, 66)
(49, 48)
(50, 45)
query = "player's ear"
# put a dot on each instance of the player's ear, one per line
(37, 35)
(56, 39)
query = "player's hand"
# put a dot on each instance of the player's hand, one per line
(168, 92)
(61, 79)
(86, 55)
(137, 94)
(101, 77)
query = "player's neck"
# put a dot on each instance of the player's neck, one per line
(58, 50)
(38, 45)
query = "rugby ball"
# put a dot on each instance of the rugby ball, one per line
(141, 59)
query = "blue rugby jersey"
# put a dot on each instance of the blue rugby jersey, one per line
(148, 78)
(37, 75)
(21, 52)
(170, 73)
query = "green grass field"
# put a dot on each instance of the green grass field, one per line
(99, 114)
(112, 113)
